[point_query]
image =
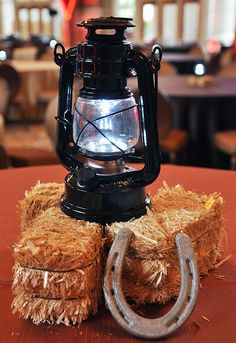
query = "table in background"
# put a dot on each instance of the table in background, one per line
(35, 66)
(217, 296)
(201, 111)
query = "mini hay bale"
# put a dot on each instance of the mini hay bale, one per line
(51, 284)
(55, 311)
(58, 242)
(41, 197)
(151, 271)
(57, 275)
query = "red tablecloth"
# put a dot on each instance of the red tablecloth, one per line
(214, 318)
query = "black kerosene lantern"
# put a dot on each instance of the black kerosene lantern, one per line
(106, 126)
(94, 143)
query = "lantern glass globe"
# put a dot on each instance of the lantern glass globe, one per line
(102, 126)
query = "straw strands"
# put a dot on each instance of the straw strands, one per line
(151, 271)
(58, 259)
(38, 199)
(54, 311)
(58, 242)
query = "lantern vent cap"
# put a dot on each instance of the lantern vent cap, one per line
(107, 22)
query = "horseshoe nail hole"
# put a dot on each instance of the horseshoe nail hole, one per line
(113, 268)
(176, 319)
(188, 298)
(112, 291)
(191, 275)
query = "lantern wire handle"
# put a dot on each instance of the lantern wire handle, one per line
(121, 311)
(59, 52)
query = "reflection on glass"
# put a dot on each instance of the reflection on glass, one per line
(106, 126)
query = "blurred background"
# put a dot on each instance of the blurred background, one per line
(197, 79)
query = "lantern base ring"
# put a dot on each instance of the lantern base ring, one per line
(121, 311)
(102, 204)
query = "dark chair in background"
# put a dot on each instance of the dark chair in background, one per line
(5, 94)
(10, 76)
(5, 97)
(225, 141)
(14, 109)
(4, 161)
(172, 140)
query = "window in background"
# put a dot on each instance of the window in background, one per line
(149, 22)
(191, 22)
(35, 27)
(170, 13)
(23, 23)
(223, 21)
(46, 24)
(202, 19)
(126, 9)
(8, 19)
(33, 17)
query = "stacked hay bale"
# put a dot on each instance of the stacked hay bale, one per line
(151, 271)
(41, 197)
(57, 272)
